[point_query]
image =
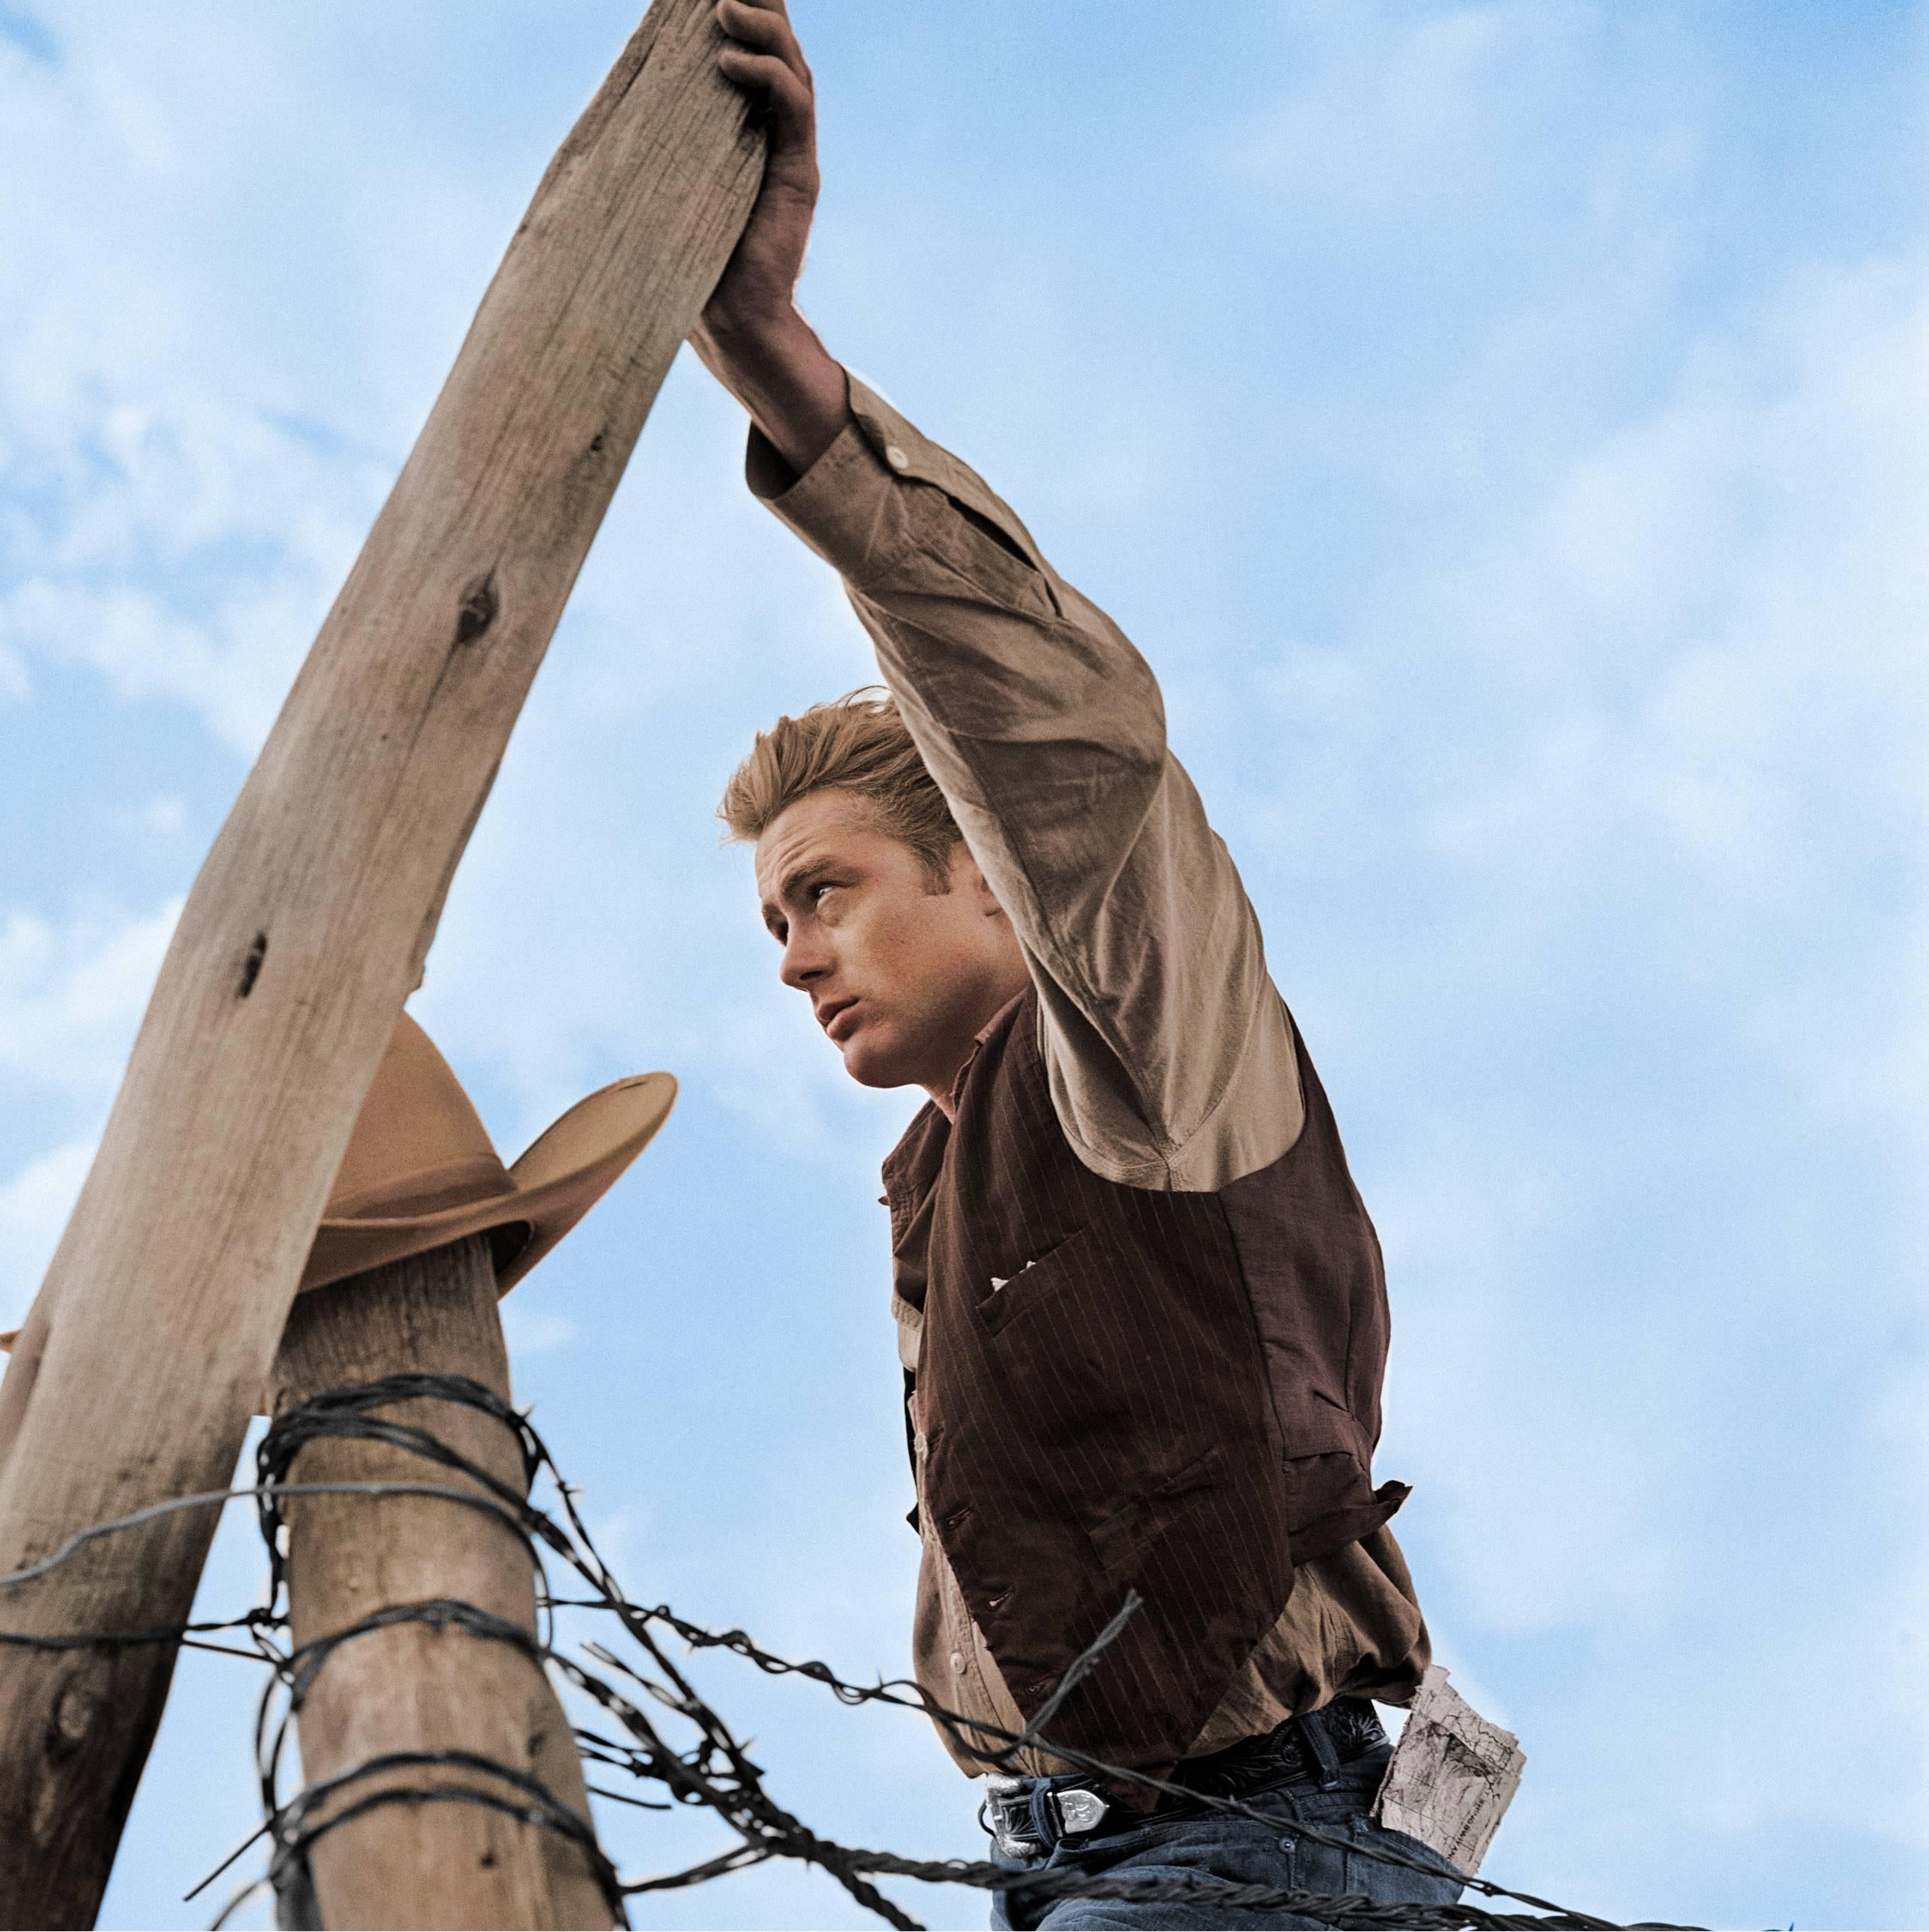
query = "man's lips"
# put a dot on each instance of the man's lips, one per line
(838, 1019)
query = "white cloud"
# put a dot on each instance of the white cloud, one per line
(1520, 1448)
(530, 1331)
(72, 994)
(35, 1203)
(185, 547)
(165, 816)
(1701, 671)
(178, 513)
(617, 1531)
(1400, 110)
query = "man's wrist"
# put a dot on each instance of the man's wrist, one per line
(770, 358)
(750, 329)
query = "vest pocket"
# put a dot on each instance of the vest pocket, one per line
(1122, 1535)
(1002, 1299)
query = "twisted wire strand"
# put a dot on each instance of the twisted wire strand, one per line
(534, 1805)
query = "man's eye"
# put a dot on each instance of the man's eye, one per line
(821, 889)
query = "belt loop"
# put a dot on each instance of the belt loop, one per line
(1312, 1728)
(1043, 1823)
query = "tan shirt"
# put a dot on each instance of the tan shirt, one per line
(1169, 1050)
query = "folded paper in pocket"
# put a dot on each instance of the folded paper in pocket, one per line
(1452, 1777)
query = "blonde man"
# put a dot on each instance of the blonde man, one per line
(1140, 1306)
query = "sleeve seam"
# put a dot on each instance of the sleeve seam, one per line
(1176, 1149)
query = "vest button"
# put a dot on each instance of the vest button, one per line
(958, 1516)
(999, 1602)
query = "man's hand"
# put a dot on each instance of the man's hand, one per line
(751, 337)
(761, 55)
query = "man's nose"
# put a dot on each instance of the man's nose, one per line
(805, 961)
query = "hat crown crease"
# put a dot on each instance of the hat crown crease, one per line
(418, 1146)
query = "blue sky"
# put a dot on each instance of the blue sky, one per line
(1501, 427)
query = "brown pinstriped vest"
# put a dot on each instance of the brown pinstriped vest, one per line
(1175, 1393)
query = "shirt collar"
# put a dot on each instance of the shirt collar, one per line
(911, 1165)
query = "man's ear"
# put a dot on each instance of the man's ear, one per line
(966, 876)
(987, 899)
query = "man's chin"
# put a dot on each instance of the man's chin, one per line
(871, 1062)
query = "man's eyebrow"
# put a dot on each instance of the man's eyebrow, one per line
(797, 876)
(773, 909)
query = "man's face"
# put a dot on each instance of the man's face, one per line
(901, 978)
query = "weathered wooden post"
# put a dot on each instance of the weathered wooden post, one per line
(161, 1316)
(413, 1688)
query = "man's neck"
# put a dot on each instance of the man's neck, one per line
(944, 1092)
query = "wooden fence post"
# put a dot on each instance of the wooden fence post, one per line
(414, 1688)
(306, 927)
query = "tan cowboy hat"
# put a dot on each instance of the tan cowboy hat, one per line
(420, 1169)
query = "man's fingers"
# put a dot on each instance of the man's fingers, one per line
(764, 29)
(779, 7)
(774, 82)
(763, 73)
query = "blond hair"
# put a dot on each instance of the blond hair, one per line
(858, 743)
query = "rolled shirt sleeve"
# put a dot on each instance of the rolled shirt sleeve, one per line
(1170, 1051)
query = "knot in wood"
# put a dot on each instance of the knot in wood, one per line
(251, 967)
(75, 1710)
(477, 611)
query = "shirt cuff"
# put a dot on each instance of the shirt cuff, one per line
(843, 506)
(848, 506)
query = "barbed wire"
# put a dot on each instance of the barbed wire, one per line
(715, 1774)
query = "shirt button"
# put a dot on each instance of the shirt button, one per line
(958, 1663)
(896, 457)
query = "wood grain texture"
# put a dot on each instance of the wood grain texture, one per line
(415, 1688)
(307, 926)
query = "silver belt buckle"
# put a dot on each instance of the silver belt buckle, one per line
(1080, 1811)
(1001, 1789)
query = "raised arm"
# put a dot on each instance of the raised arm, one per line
(1170, 1053)
(751, 337)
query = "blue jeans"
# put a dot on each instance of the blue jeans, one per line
(1217, 1847)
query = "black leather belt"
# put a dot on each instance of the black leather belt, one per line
(1028, 1816)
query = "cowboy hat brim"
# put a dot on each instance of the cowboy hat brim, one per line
(566, 1170)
